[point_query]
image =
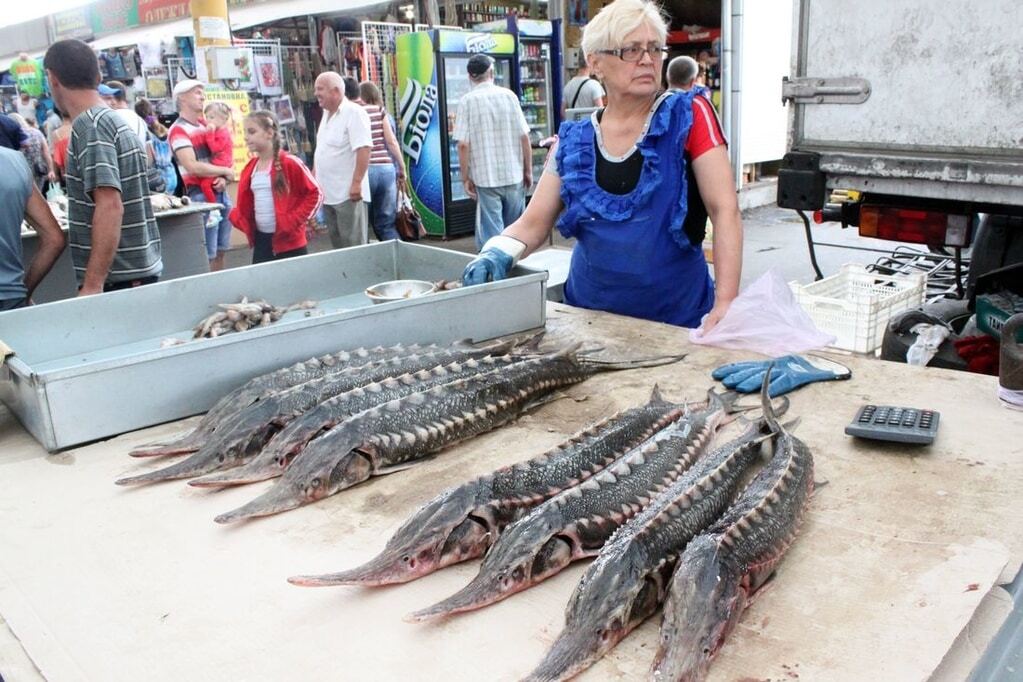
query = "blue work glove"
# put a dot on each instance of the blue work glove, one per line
(789, 372)
(496, 258)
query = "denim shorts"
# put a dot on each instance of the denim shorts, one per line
(218, 235)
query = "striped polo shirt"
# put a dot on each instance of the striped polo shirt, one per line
(379, 153)
(104, 152)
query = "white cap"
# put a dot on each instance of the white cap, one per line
(181, 87)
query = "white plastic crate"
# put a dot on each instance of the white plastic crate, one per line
(855, 305)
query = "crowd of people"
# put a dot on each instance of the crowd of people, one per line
(634, 182)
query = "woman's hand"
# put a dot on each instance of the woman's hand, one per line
(715, 315)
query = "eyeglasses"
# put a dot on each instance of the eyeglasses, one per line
(634, 53)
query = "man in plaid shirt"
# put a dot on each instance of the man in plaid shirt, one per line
(493, 150)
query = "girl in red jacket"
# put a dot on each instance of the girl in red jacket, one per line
(277, 195)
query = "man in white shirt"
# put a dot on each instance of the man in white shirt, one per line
(26, 106)
(343, 144)
(493, 150)
(115, 95)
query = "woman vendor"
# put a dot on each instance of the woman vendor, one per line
(622, 184)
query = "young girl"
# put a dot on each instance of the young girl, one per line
(277, 194)
(219, 142)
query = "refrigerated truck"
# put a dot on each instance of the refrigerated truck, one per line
(916, 106)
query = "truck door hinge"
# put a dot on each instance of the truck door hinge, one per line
(824, 90)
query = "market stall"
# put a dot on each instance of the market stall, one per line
(181, 243)
(898, 557)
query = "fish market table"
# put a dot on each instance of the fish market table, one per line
(182, 246)
(892, 578)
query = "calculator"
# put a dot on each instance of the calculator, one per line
(899, 424)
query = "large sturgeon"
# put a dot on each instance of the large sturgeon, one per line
(251, 428)
(720, 570)
(265, 384)
(272, 461)
(576, 523)
(462, 522)
(392, 436)
(629, 578)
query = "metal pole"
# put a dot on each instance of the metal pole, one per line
(726, 76)
(735, 131)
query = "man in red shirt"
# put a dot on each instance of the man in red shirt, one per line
(187, 137)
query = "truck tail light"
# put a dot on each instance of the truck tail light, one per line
(916, 226)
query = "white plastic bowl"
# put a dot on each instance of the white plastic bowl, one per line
(399, 290)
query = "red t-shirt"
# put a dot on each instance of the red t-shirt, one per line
(60, 152)
(705, 133)
(183, 134)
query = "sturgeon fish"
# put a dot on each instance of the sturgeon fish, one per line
(721, 570)
(265, 384)
(250, 429)
(272, 461)
(463, 521)
(628, 580)
(577, 522)
(394, 435)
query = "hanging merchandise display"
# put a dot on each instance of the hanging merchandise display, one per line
(349, 50)
(328, 46)
(28, 75)
(379, 43)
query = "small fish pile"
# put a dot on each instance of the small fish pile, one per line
(166, 202)
(645, 491)
(365, 413)
(244, 315)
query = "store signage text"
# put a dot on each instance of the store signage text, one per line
(417, 105)
(156, 11)
(480, 43)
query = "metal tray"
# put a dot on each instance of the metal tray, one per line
(89, 368)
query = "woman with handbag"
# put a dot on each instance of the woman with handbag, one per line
(277, 195)
(386, 168)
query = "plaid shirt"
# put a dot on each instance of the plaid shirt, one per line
(490, 119)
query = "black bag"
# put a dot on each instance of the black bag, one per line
(406, 219)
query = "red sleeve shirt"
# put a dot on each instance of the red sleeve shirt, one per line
(705, 133)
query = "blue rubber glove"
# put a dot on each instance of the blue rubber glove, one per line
(789, 372)
(496, 258)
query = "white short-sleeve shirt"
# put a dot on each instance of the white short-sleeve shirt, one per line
(340, 135)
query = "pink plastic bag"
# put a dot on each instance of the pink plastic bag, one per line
(765, 318)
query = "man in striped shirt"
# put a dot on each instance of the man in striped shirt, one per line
(115, 243)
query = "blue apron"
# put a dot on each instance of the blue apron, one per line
(632, 254)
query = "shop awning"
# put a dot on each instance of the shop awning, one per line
(269, 12)
(144, 34)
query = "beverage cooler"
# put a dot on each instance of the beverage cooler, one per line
(431, 79)
(539, 85)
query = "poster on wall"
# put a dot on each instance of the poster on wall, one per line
(268, 75)
(238, 103)
(283, 110)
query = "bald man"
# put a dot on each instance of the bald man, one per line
(343, 144)
(682, 74)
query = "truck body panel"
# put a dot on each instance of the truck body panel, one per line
(944, 80)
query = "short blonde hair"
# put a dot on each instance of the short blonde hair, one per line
(617, 20)
(219, 108)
